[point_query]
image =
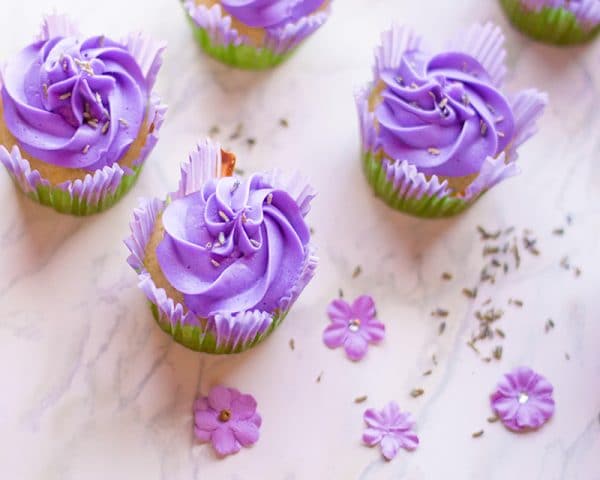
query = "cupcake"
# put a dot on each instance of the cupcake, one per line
(78, 117)
(437, 131)
(223, 259)
(563, 22)
(254, 34)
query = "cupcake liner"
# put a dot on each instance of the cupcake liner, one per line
(57, 25)
(527, 106)
(400, 184)
(557, 25)
(213, 31)
(485, 43)
(403, 188)
(97, 192)
(220, 334)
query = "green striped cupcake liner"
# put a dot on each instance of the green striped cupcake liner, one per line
(65, 202)
(204, 340)
(551, 25)
(403, 199)
(240, 56)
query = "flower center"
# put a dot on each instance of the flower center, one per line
(354, 325)
(224, 415)
(523, 398)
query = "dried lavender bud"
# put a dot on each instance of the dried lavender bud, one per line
(416, 392)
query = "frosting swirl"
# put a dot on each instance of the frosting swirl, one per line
(233, 246)
(442, 114)
(270, 13)
(75, 103)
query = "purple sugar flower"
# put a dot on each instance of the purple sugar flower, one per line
(353, 326)
(391, 428)
(523, 400)
(228, 419)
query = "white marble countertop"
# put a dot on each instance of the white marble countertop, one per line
(92, 389)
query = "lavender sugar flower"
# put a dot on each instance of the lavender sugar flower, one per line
(437, 131)
(228, 419)
(353, 326)
(523, 400)
(391, 428)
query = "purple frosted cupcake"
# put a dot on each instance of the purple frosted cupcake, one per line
(562, 22)
(254, 34)
(223, 259)
(78, 116)
(437, 130)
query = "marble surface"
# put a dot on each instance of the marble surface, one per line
(92, 389)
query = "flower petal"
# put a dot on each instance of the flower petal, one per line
(542, 387)
(202, 435)
(373, 419)
(373, 331)
(507, 387)
(335, 335)
(206, 420)
(389, 446)
(372, 436)
(408, 440)
(245, 432)
(256, 420)
(524, 378)
(243, 407)
(219, 398)
(224, 441)
(339, 310)
(525, 417)
(545, 405)
(201, 403)
(404, 421)
(390, 413)
(356, 347)
(364, 308)
(505, 408)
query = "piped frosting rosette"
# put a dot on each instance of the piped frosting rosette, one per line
(254, 34)
(437, 132)
(78, 116)
(223, 259)
(562, 22)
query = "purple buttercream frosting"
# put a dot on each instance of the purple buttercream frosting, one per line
(75, 103)
(235, 245)
(443, 113)
(270, 13)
